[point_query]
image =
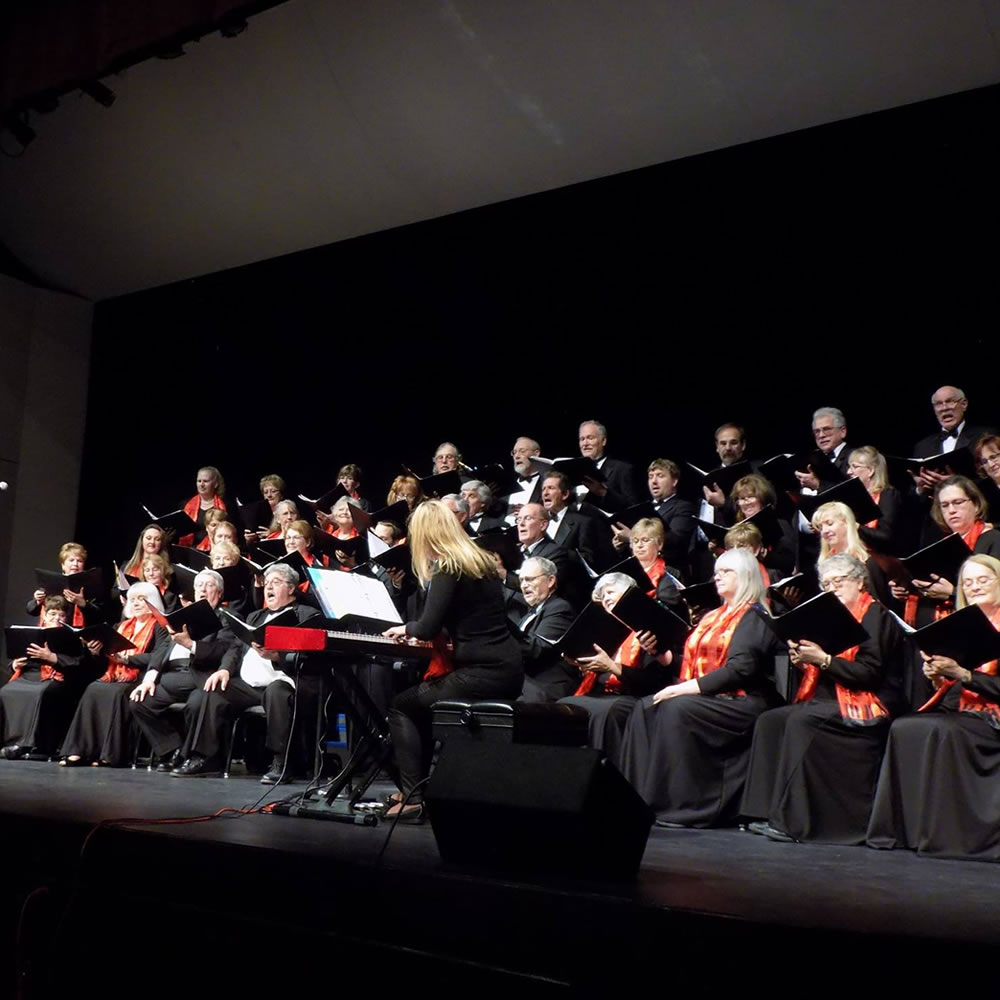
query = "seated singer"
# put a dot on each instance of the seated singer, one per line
(464, 599)
(249, 675)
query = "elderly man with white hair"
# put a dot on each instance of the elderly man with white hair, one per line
(547, 676)
(178, 674)
(248, 676)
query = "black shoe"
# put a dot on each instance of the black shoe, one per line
(171, 763)
(14, 752)
(273, 776)
(197, 766)
(771, 832)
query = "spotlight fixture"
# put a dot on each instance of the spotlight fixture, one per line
(100, 93)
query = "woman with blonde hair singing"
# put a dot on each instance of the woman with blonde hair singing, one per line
(464, 602)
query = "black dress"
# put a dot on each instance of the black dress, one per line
(812, 774)
(688, 756)
(102, 724)
(35, 713)
(486, 659)
(939, 787)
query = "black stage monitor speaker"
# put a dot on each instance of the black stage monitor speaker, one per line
(524, 807)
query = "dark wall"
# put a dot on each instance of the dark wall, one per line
(846, 265)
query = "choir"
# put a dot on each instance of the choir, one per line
(800, 677)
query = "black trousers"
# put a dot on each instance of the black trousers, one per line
(411, 714)
(152, 714)
(217, 709)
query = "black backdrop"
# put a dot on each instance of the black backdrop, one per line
(848, 265)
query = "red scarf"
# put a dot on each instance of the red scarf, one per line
(860, 708)
(440, 664)
(942, 608)
(707, 647)
(47, 671)
(140, 634)
(969, 701)
(311, 561)
(875, 498)
(192, 508)
(629, 654)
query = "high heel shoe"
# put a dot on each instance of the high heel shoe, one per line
(412, 814)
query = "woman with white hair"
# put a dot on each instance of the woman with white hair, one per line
(686, 748)
(612, 680)
(938, 788)
(814, 763)
(99, 732)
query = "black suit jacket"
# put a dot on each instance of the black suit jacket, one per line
(933, 444)
(208, 652)
(580, 532)
(551, 673)
(678, 517)
(620, 480)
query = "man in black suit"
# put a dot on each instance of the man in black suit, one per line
(570, 529)
(618, 490)
(479, 498)
(730, 446)
(178, 674)
(248, 676)
(829, 427)
(676, 514)
(459, 506)
(950, 407)
(548, 676)
(532, 520)
(529, 477)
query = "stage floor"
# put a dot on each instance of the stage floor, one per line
(724, 897)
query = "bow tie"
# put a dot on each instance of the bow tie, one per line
(949, 434)
(525, 479)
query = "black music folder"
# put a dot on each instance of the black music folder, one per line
(823, 620)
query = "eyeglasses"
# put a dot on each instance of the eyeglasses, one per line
(993, 459)
(643, 540)
(948, 504)
(532, 579)
(948, 404)
(833, 582)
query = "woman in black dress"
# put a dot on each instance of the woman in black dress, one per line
(100, 730)
(939, 788)
(38, 700)
(612, 680)
(464, 603)
(686, 748)
(814, 764)
(868, 464)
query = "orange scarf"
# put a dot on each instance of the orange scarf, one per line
(707, 647)
(47, 672)
(875, 499)
(140, 634)
(942, 608)
(970, 701)
(860, 708)
(191, 508)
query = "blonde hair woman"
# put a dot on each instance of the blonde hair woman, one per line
(464, 604)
